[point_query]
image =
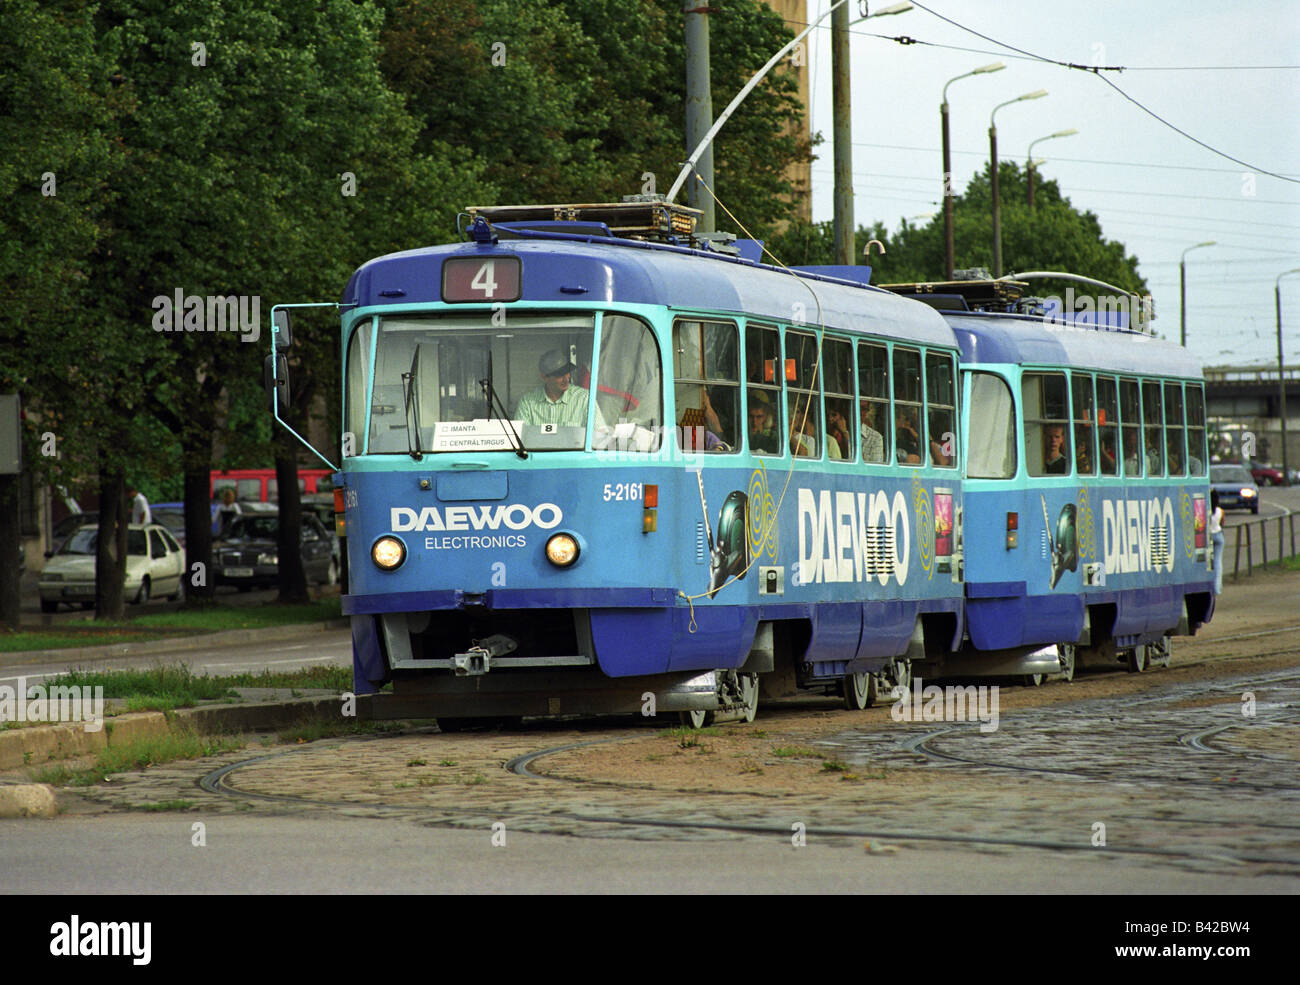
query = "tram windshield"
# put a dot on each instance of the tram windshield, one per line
(469, 384)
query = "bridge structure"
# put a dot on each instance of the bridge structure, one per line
(1244, 400)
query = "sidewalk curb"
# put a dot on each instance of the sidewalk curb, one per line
(177, 644)
(40, 744)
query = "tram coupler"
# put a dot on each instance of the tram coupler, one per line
(478, 658)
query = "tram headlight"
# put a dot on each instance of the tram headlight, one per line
(388, 553)
(562, 550)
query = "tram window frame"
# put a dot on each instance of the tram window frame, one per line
(1130, 426)
(941, 365)
(1174, 433)
(984, 440)
(1083, 406)
(1108, 426)
(1195, 401)
(803, 403)
(1153, 407)
(646, 430)
(359, 372)
(757, 381)
(874, 390)
(911, 405)
(688, 437)
(1036, 419)
(837, 388)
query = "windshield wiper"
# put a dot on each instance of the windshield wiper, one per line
(412, 397)
(490, 392)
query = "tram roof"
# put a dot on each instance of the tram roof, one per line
(573, 268)
(987, 337)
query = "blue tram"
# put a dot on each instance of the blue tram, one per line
(593, 464)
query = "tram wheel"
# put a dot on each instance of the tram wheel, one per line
(1066, 655)
(1137, 659)
(903, 674)
(696, 719)
(1159, 653)
(860, 691)
(1031, 680)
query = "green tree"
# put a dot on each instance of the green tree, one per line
(1051, 236)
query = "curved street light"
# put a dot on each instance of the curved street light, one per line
(947, 166)
(1182, 290)
(1030, 167)
(993, 156)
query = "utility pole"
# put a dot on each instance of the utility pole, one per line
(842, 130)
(699, 113)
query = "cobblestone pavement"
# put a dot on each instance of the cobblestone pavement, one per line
(1174, 775)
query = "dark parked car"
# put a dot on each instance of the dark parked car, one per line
(248, 556)
(1236, 488)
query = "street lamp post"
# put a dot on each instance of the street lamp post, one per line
(1281, 372)
(1030, 167)
(1182, 290)
(993, 157)
(947, 166)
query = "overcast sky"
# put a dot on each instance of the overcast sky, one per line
(1153, 189)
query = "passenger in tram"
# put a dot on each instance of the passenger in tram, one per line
(1215, 527)
(938, 427)
(1054, 460)
(803, 435)
(837, 433)
(1155, 465)
(873, 442)
(907, 437)
(1108, 464)
(1132, 464)
(763, 436)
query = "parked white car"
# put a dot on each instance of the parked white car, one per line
(155, 565)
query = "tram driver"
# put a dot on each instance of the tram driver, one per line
(558, 400)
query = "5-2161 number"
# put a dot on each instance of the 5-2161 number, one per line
(620, 491)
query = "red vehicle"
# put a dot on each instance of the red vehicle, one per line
(1266, 475)
(259, 485)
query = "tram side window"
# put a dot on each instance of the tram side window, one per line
(1195, 430)
(1153, 428)
(629, 396)
(804, 401)
(1047, 423)
(358, 381)
(837, 363)
(708, 385)
(1085, 454)
(763, 389)
(1131, 425)
(941, 405)
(1175, 453)
(1107, 426)
(908, 406)
(992, 450)
(873, 401)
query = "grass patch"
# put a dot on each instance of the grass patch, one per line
(796, 752)
(834, 766)
(327, 678)
(167, 805)
(475, 780)
(417, 762)
(1290, 563)
(29, 640)
(447, 762)
(177, 684)
(138, 755)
